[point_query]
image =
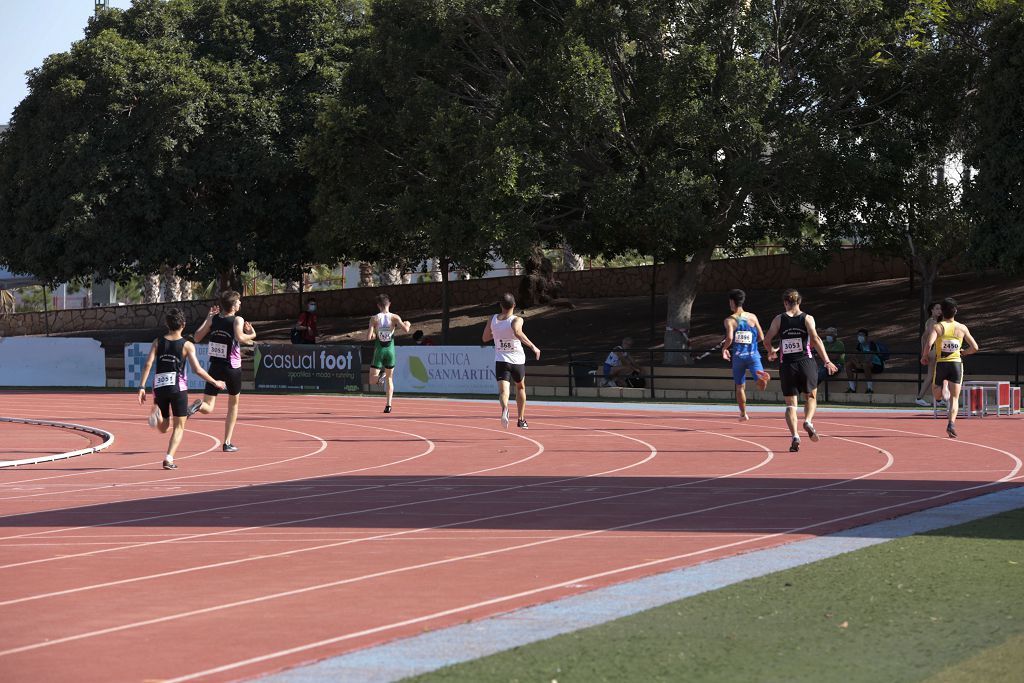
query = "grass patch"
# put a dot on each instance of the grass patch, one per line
(940, 606)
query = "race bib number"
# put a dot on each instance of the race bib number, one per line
(743, 337)
(385, 334)
(164, 379)
(790, 346)
(218, 350)
(506, 345)
(950, 346)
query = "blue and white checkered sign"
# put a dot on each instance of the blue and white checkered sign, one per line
(135, 359)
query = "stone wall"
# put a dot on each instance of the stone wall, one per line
(750, 273)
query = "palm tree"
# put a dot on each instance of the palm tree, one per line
(7, 303)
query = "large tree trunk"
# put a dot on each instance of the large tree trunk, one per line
(570, 259)
(683, 280)
(170, 289)
(292, 287)
(445, 301)
(391, 276)
(365, 274)
(151, 288)
(229, 279)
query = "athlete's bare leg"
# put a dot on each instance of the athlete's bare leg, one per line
(232, 418)
(163, 425)
(521, 399)
(389, 383)
(791, 408)
(503, 390)
(954, 401)
(176, 434)
(208, 403)
(741, 401)
(810, 406)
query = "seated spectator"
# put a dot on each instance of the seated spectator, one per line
(420, 340)
(619, 366)
(304, 331)
(868, 359)
(836, 352)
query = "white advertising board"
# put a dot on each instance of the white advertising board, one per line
(51, 362)
(135, 359)
(445, 369)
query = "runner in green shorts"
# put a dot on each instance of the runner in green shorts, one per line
(382, 334)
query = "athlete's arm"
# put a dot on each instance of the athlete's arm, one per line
(972, 346)
(812, 332)
(929, 341)
(241, 336)
(150, 359)
(190, 354)
(204, 329)
(773, 331)
(488, 336)
(517, 327)
(397, 321)
(730, 328)
(371, 333)
(760, 332)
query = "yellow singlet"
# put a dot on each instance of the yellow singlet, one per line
(947, 346)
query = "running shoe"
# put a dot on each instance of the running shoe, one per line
(811, 432)
(794, 445)
(229, 448)
(945, 392)
(522, 424)
(381, 379)
(951, 430)
(387, 409)
(923, 403)
(170, 465)
(154, 417)
(194, 408)
(763, 378)
(504, 419)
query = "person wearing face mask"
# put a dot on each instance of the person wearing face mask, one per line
(868, 360)
(304, 331)
(836, 351)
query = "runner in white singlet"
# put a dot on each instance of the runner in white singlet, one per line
(382, 333)
(506, 331)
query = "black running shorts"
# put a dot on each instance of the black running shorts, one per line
(172, 404)
(799, 377)
(949, 372)
(229, 375)
(509, 372)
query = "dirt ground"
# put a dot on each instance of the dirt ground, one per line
(887, 308)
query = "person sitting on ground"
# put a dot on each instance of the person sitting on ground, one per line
(619, 365)
(420, 340)
(867, 359)
(836, 352)
(305, 329)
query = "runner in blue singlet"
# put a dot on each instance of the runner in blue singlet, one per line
(742, 334)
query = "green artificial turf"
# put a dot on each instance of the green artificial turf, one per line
(943, 606)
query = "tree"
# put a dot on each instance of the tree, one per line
(670, 129)
(997, 148)
(405, 170)
(170, 135)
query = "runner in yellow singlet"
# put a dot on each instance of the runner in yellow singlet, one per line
(951, 341)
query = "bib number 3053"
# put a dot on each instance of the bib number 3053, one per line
(218, 350)
(792, 346)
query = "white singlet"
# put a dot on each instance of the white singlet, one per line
(507, 347)
(384, 330)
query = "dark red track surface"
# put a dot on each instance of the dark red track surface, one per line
(337, 527)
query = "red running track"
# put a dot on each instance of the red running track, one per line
(336, 527)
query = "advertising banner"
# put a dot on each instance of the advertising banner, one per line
(445, 369)
(135, 359)
(51, 362)
(307, 367)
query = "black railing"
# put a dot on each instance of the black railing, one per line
(583, 367)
